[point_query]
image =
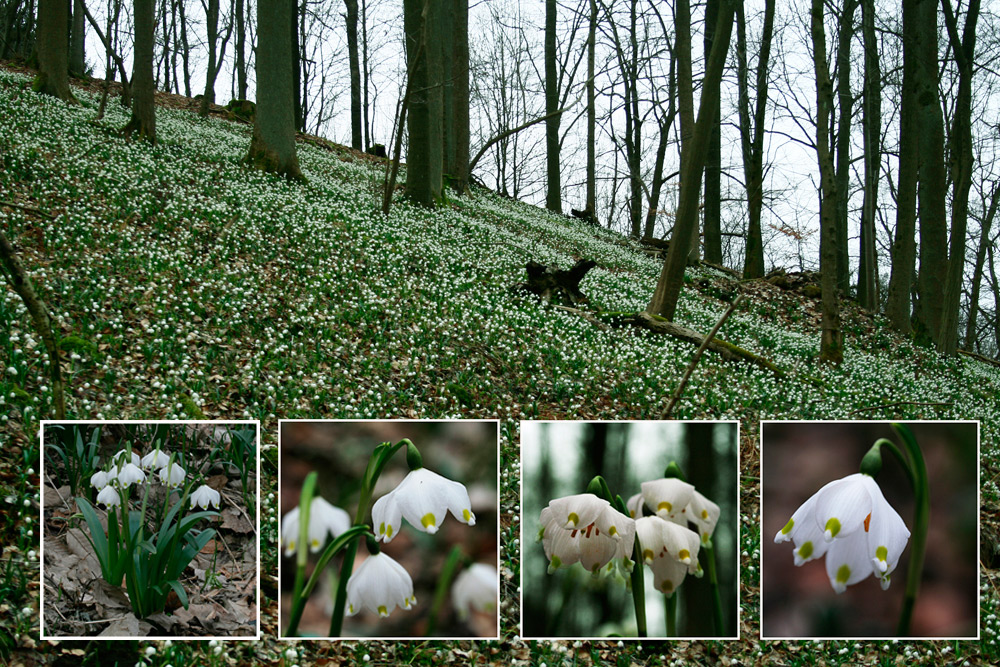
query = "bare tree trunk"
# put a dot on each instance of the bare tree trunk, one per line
(185, 51)
(365, 72)
(241, 49)
(553, 192)
(456, 43)
(77, 52)
(843, 140)
(932, 189)
(294, 31)
(668, 287)
(977, 275)
(272, 147)
(961, 169)
(831, 342)
(424, 162)
(212, 26)
(106, 40)
(351, 18)
(904, 248)
(996, 297)
(53, 50)
(753, 139)
(591, 115)
(666, 122)
(143, 120)
(872, 131)
(713, 160)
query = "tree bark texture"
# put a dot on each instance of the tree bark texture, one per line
(842, 143)
(932, 189)
(553, 185)
(455, 42)
(872, 135)
(668, 287)
(831, 341)
(272, 147)
(241, 49)
(591, 114)
(52, 44)
(143, 122)
(351, 18)
(77, 51)
(986, 226)
(964, 48)
(904, 247)
(713, 160)
(424, 160)
(753, 136)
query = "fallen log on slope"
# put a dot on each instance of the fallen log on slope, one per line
(557, 286)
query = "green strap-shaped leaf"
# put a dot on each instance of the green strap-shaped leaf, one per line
(98, 539)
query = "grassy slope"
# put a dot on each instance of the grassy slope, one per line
(196, 282)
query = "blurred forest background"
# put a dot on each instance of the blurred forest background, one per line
(560, 458)
(799, 458)
(464, 451)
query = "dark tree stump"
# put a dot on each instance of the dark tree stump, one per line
(558, 286)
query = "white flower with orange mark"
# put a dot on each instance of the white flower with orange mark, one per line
(851, 522)
(586, 529)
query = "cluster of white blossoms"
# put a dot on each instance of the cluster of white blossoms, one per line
(380, 584)
(587, 529)
(126, 468)
(851, 522)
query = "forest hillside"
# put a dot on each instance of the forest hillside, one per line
(186, 285)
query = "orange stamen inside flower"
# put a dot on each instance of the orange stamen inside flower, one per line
(868, 520)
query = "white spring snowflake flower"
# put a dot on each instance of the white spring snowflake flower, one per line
(586, 529)
(172, 475)
(205, 496)
(475, 589)
(379, 585)
(851, 522)
(155, 459)
(423, 498)
(130, 474)
(667, 496)
(669, 549)
(125, 456)
(324, 519)
(101, 479)
(109, 497)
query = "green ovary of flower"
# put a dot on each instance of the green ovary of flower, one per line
(832, 527)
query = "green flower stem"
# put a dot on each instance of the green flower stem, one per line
(903, 461)
(921, 518)
(451, 567)
(670, 605)
(376, 463)
(713, 580)
(301, 554)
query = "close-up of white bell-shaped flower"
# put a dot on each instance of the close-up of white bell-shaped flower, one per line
(205, 496)
(423, 498)
(123, 456)
(475, 589)
(324, 520)
(155, 459)
(379, 585)
(667, 496)
(101, 479)
(586, 529)
(172, 475)
(669, 549)
(703, 513)
(851, 522)
(109, 497)
(130, 474)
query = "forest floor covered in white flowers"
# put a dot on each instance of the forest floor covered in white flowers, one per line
(187, 286)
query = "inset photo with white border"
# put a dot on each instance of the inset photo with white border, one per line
(870, 530)
(402, 534)
(629, 529)
(150, 530)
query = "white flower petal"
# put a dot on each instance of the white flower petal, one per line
(590, 545)
(703, 513)
(380, 584)
(843, 506)
(325, 519)
(635, 505)
(100, 479)
(475, 589)
(155, 459)
(848, 561)
(667, 496)
(578, 511)
(887, 535)
(109, 497)
(423, 498)
(290, 531)
(205, 496)
(172, 475)
(130, 474)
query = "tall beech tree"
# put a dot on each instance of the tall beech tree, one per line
(713, 159)
(424, 160)
(872, 140)
(842, 140)
(351, 19)
(143, 122)
(960, 138)
(904, 248)
(752, 134)
(553, 184)
(456, 135)
(53, 50)
(216, 53)
(272, 147)
(831, 341)
(77, 48)
(668, 287)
